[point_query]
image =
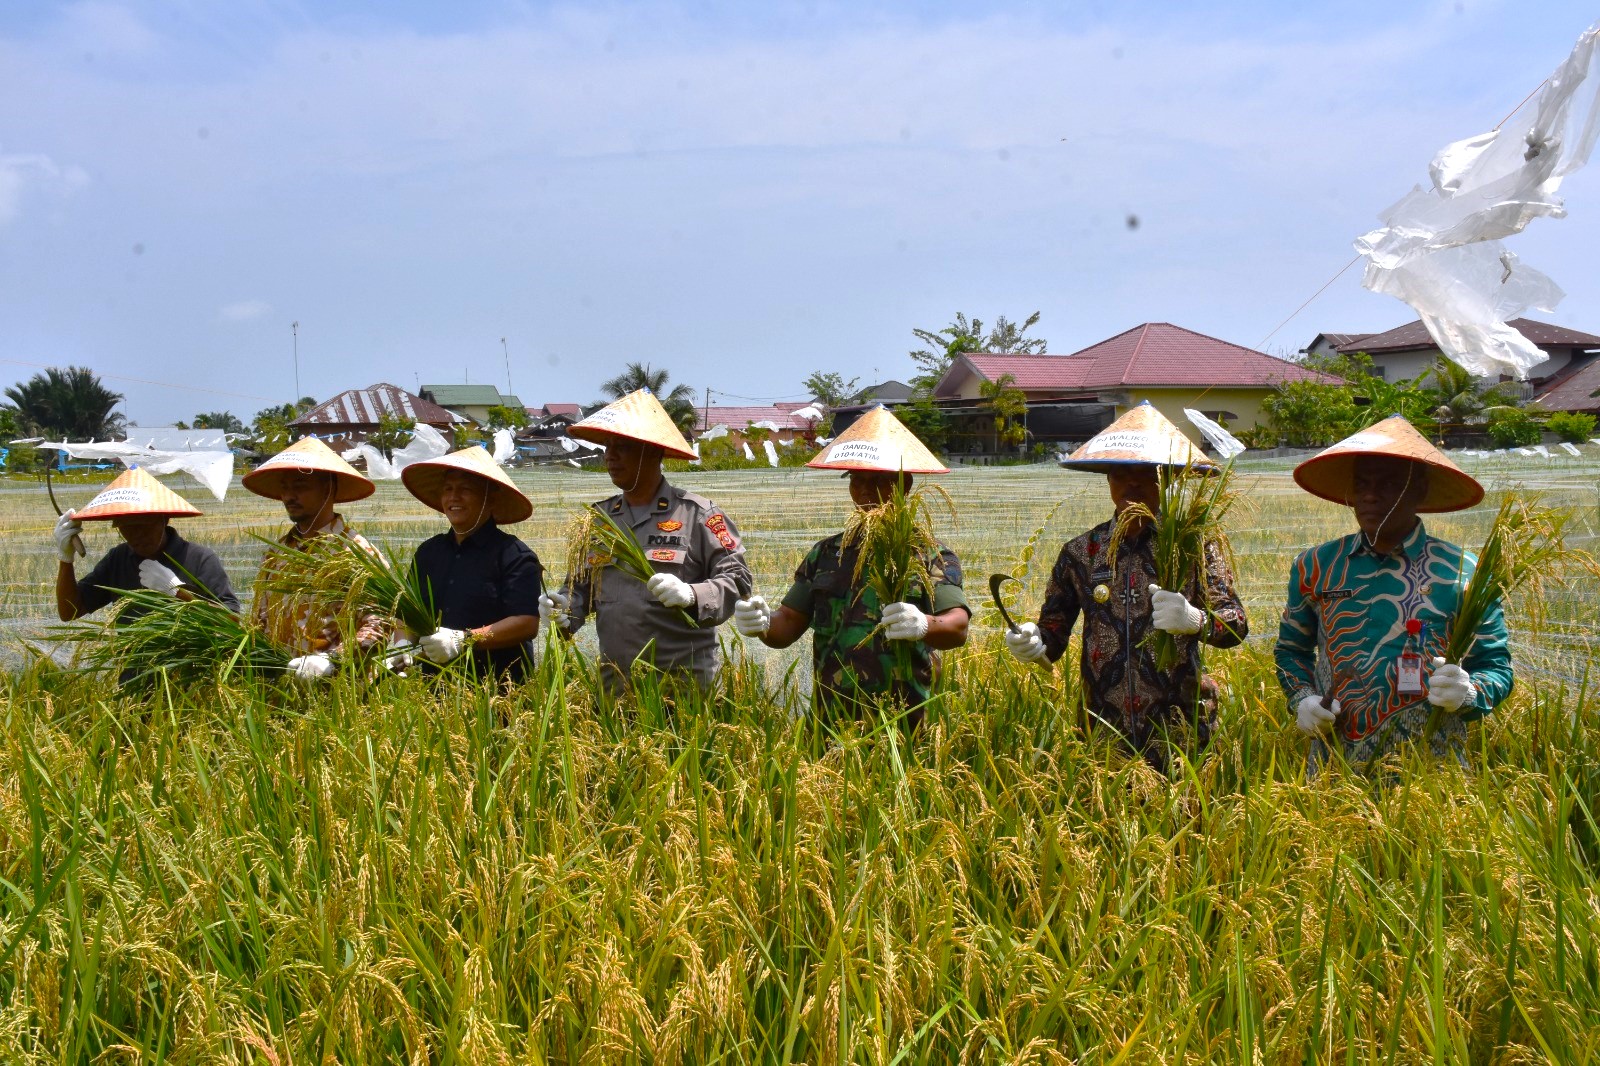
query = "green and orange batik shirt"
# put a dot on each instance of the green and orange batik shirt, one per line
(1344, 630)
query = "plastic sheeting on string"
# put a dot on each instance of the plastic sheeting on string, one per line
(772, 453)
(426, 443)
(1439, 250)
(1226, 444)
(748, 454)
(810, 412)
(716, 431)
(213, 469)
(505, 446)
(1571, 449)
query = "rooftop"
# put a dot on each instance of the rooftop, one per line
(1414, 336)
(364, 407)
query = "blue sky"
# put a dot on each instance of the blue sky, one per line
(740, 193)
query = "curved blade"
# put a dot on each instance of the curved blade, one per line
(995, 581)
(51, 490)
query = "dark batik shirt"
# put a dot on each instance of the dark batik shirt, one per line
(197, 567)
(489, 576)
(850, 663)
(1120, 682)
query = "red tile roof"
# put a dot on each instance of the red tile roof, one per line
(1154, 355)
(1414, 335)
(737, 418)
(1570, 391)
(363, 407)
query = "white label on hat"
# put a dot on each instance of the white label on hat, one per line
(604, 417)
(136, 497)
(1362, 441)
(866, 452)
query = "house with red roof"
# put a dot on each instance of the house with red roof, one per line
(1071, 397)
(794, 421)
(1406, 352)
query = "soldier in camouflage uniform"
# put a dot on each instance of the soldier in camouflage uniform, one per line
(1122, 605)
(856, 649)
(863, 651)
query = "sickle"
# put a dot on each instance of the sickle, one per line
(995, 581)
(51, 491)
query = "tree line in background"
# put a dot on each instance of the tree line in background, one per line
(1446, 403)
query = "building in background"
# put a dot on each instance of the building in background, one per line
(792, 421)
(1406, 352)
(355, 414)
(1071, 397)
(470, 401)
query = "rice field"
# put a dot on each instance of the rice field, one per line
(392, 872)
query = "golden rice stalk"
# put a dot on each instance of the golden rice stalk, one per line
(595, 542)
(190, 641)
(1193, 505)
(896, 551)
(1524, 554)
(339, 573)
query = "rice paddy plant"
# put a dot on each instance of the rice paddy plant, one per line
(338, 570)
(1188, 519)
(188, 642)
(596, 541)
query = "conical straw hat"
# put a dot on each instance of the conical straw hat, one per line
(135, 492)
(1142, 437)
(878, 441)
(1330, 473)
(308, 455)
(637, 416)
(425, 481)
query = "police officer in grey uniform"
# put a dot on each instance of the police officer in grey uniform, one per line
(693, 545)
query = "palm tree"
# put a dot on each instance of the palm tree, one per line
(68, 404)
(678, 399)
(1462, 398)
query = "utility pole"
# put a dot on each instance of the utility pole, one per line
(507, 352)
(706, 411)
(295, 329)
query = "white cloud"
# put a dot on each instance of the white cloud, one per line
(243, 310)
(19, 172)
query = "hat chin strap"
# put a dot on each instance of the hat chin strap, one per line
(1372, 542)
(333, 489)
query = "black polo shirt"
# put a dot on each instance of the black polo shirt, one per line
(198, 567)
(489, 576)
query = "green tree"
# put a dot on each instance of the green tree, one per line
(394, 431)
(1512, 427)
(503, 417)
(829, 388)
(1461, 398)
(69, 404)
(1574, 427)
(269, 430)
(1009, 405)
(226, 421)
(1311, 414)
(962, 335)
(677, 399)
(924, 418)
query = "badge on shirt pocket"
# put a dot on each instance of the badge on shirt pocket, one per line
(674, 556)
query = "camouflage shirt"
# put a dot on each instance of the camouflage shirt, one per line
(1120, 682)
(850, 663)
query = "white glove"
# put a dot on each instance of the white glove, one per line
(442, 645)
(670, 590)
(554, 608)
(1450, 687)
(1172, 612)
(309, 668)
(752, 617)
(158, 578)
(1313, 716)
(1026, 645)
(903, 621)
(68, 543)
(397, 660)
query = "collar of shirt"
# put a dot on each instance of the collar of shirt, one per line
(619, 504)
(294, 538)
(478, 538)
(1407, 548)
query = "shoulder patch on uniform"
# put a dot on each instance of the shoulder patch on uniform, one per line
(719, 529)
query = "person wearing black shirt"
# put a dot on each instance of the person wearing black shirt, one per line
(484, 582)
(152, 555)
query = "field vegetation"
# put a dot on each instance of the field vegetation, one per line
(398, 871)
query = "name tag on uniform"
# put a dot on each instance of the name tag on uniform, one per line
(667, 555)
(1409, 681)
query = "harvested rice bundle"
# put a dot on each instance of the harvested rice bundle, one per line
(1194, 502)
(190, 641)
(594, 542)
(337, 570)
(1525, 552)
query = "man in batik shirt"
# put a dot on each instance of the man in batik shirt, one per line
(1121, 604)
(1368, 614)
